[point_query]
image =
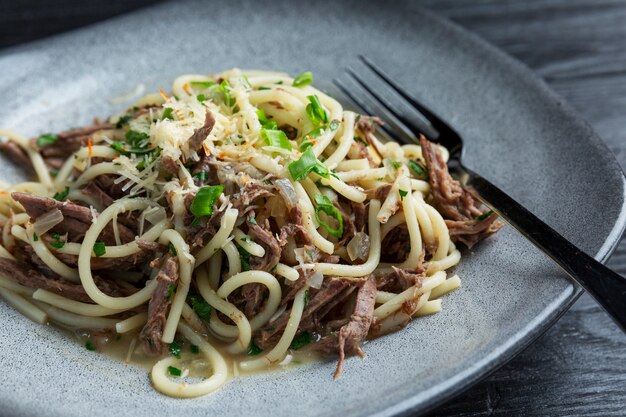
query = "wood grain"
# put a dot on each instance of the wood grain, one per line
(579, 47)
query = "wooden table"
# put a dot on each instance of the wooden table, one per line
(579, 47)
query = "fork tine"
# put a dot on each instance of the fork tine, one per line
(443, 128)
(411, 124)
(392, 129)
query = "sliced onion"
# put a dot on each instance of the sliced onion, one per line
(359, 247)
(47, 221)
(287, 192)
(316, 280)
(287, 360)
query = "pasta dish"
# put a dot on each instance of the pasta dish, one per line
(231, 225)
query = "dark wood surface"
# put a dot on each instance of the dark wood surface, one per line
(579, 47)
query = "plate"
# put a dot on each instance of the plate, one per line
(518, 134)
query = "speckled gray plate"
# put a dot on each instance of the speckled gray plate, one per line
(518, 133)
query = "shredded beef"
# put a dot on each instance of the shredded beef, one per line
(200, 134)
(470, 232)
(16, 153)
(399, 280)
(455, 202)
(152, 332)
(367, 125)
(294, 227)
(243, 199)
(77, 219)
(350, 336)
(270, 333)
(71, 140)
(397, 245)
(264, 237)
(24, 274)
(169, 165)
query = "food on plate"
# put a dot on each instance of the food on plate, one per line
(243, 221)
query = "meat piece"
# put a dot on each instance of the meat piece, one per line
(71, 140)
(349, 229)
(108, 185)
(313, 254)
(200, 234)
(397, 245)
(400, 279)
(243, 199)
(379, 193)
(264, 237)
(470, 232)
(452, 200)
(169, 165)
(205, 165)
(129, 219)
(200, 134)
(249, 299)
(295, 228)
(26, 275)
(77, 219)
(360, 149)
(367, 125)
(270, 333)
(360, 216)
(355, 331)
(152, 332)
(93, 190)
(16, 154)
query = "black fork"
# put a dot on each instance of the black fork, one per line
(606, 286)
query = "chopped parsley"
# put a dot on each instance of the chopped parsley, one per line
(484, 215)
(418, 169)
(276, 138)
(266, 123)
(254, 350)
(301, 340)
(308, 162)
(206, 197)
(35, 237)
(403, 193)
(62, 195)
(47, 139)
(174, 371)
(57, 244)
(194, 349)
(244, 257)
(315, 111)
(134, 137)
(202, 176)
(167, 114)
(226, 89)
(324, 204)
(199, 305)
(252, 220)
(306, 298)
(201, 98)
(99, 249)
(175, 348)
(396, 164)
(170, 291)
(90, 346)
(303, 80)
(172, 249)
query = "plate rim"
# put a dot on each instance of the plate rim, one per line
(515, 344)
(525, 337)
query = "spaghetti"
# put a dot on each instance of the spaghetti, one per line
(246, 216)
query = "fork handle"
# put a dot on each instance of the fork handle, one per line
(605, 285)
